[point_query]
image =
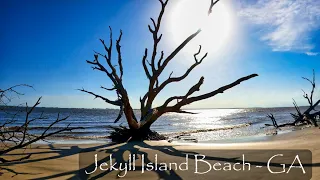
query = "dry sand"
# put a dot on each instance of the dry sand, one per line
(62, 161)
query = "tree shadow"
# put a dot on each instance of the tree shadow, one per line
(118, 151)
(15, 173)
(61, 153)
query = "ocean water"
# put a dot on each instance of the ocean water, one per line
(205, 126)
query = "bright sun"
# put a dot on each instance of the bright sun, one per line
(190, 15)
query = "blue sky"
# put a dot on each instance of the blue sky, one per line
(45, 44)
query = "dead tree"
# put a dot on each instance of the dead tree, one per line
(309, 116)
(5, 98)
(153, 68)
(311, 113)
(275, 124)
(18, 137)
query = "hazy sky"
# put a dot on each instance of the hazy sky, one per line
(45, 44)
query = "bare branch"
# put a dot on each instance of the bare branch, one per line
(150, 29)
(116, 102)
(100, 67)
(3, 93)
(313, 84)
(12, 88)
(13, 137)
(177, 79)
(305, 95)
(170, 74)
(197, 53)
(156, 37)
(177, 50)
(123, 99)
(296, 107)
(211, 6)
(161, 57)
(108, 89)
(154, 89)
(306, 117)
(119, 115)
(274, 122)
(144, 64)
(119, 55)
(186, 112)
(185, 42)
(193, 89)
(210, 94)
(154, 23)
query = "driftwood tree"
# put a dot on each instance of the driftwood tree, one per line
(14, 137)
(309, 116)
(153, 69)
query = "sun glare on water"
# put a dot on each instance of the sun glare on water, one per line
(190, 15)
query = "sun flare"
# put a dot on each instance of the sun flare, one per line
(190, 15)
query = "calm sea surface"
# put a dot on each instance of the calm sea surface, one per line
(223, 123)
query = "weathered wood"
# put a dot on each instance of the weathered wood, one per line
(305, 117)
(153, 68)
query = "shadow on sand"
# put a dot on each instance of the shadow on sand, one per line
(118, 154)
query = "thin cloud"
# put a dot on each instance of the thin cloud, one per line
(311, 53)
(287, 24)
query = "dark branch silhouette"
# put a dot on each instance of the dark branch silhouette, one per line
(153, 64)
(307, 117)
(18, 137)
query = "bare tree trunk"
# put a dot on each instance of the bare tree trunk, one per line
(153, 68)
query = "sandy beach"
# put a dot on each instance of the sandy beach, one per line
(62, 161)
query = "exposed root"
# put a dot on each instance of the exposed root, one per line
(122, 134)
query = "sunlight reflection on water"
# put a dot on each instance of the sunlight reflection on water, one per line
(222, 123)
(204, 118)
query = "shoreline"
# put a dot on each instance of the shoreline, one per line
(252, 138)
(288, 135)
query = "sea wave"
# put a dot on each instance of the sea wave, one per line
(209, 130)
